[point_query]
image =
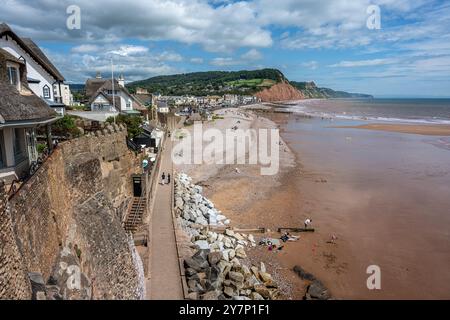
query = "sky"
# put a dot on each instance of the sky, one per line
(334, 43)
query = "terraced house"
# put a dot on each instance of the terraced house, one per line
(21, 112)
(43, 77)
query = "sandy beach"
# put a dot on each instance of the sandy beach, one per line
(373, 223)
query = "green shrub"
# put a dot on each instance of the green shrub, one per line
(41, 147)
(66, 127)
(133, 123)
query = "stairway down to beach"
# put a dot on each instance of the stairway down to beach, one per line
(136, 214)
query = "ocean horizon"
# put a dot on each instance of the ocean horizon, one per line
(386, 110)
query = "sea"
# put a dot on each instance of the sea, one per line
(414, 111)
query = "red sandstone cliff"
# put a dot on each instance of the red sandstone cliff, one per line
(280, 92)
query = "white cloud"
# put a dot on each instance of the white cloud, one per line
(169, 56)
(363, 63)
(133, 61)
(196, 60)
(252, 55)
(85, 48)
(313, 65)
(223, 62)
(129, 50)
(216, 28)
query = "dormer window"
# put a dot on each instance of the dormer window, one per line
(13, 76)
(46, 92)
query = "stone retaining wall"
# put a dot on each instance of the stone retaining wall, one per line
(72, 202)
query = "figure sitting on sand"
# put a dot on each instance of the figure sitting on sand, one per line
(308, 222)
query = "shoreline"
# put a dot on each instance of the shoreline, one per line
(421, 129)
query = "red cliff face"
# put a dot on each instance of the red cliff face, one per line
(280, 92)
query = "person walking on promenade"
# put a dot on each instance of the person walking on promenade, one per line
(168, 178)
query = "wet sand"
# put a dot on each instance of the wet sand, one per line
(427, 130)
(384, 195)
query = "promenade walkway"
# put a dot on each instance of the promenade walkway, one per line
(164, 281)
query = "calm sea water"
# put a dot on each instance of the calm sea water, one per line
(431, 111)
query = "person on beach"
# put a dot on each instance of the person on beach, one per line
(308, 223)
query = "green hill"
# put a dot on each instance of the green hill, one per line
(230, 82)
(211, 83)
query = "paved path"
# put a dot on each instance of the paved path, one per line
(164, 269)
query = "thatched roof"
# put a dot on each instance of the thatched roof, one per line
(43, 59)
(103, 85)
(22, 107)
(33, 50)
(92, 86)
(19, 106)
(9, 57)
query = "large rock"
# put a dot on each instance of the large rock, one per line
(179, 203)
(212, 273)
(214, 257)
(256, 296)
(195, 265)
(211, 295)
(303, 274)
(37, 285)
(265, 277)
(263, 291)
(229, 232)
(202, 244)
(228, 291)
(240, 253)
(201, 256)
(236, 276)
(317, 290)
(224, 266)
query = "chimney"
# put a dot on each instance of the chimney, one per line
(121, 81)
(99, 75)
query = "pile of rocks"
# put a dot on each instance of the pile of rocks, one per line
(210, 277)
(216, 270)
(193, 207)
(231, 244)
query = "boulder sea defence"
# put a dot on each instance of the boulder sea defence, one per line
(218, 270)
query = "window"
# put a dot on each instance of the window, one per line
(31, 144)
(20, 153)
(46, 91)
(13, 76)
(2, 142)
